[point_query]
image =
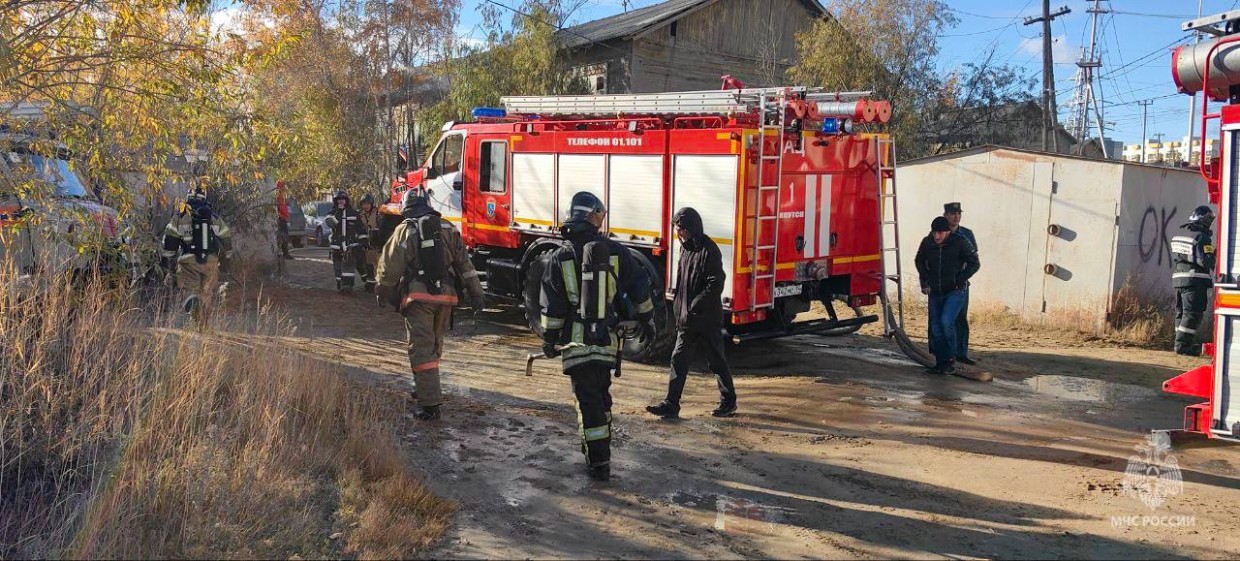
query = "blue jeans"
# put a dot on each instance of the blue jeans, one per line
(944, 309)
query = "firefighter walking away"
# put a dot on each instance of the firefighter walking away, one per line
(423, 264)
(370, 220)
(1192, 277)
(202, 240)
(584, 287)
(348, 236)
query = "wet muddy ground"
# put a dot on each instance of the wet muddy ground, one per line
(842, 448)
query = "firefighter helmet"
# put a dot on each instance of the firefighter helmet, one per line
(414, 197)
(340, 195)
(1202, 216)
(368, 199)
(584, 204)
(197, 195)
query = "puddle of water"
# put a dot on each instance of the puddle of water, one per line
(877, 356)
(1087, 389)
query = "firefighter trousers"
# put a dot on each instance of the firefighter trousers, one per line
(346, 264)
(197, 281)
(1190, 308)
(688, 342)
(369, 263)
(425, 326)
(592, 390)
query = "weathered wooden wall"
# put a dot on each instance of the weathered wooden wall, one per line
(753, 40)
(616, 54)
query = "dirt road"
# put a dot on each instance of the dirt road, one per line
(843, 448)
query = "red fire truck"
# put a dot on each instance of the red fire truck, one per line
(791, 193)
(1213, 66)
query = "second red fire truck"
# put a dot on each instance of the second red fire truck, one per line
(794, 197)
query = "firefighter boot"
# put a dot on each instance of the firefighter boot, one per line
(601, 472)
(428, 413)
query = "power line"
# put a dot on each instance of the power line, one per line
(557, 27)
(1144, 58)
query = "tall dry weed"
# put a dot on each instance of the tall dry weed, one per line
(126, 432)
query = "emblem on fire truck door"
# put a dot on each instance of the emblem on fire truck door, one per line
(490, 208)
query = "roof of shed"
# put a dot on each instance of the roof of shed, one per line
(639, 21)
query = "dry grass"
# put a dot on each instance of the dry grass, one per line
(1134, 321)
(126, 434)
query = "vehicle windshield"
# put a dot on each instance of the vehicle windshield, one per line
(57, 172)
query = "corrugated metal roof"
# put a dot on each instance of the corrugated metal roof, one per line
(638, 21)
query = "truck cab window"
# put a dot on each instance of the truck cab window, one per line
(493, 172)
(447, 158)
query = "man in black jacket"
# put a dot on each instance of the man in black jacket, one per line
(699, 314)
(945, 262)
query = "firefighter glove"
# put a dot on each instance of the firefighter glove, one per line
(478, 303)
(549, 350)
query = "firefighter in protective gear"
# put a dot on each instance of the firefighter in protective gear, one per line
(584, 287)
(369, 214)
(1192, 257)
(202, 240)
(422, 266)
(348, 236)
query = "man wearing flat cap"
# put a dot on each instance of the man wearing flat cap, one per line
(953, 213)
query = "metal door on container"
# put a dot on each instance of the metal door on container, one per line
(445, 179)
(489, 200)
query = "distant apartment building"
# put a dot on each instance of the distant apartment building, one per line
(1174, 153)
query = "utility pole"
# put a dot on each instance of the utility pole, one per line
(1192, 104)
(1145, 104)
(1049, 120)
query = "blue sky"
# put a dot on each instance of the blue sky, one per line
(1133, 41)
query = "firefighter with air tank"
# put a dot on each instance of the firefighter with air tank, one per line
(1192, 276)
(202, 240)
(422, 265)
(348, 237)
(589, 283)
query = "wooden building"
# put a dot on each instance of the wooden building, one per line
(684, 45)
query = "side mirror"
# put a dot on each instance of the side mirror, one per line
(431, 173)
(457, 184)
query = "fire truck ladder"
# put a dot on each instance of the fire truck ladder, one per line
(673, 103)
(771, 114)
(893, 312)
(892, 318)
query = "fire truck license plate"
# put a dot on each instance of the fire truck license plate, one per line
(788, 290)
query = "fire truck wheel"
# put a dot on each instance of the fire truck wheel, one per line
(658, 348)
(530, 291)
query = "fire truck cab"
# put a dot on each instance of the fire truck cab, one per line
(790, 193)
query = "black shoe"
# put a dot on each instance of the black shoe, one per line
(1186, 351)
(936, 370)
(725, 409)
(966, 360)
(600, 472)
(666, 409)
(428, 413)
(947, 369)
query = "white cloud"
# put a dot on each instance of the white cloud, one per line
(1061, 50)
(227, 20)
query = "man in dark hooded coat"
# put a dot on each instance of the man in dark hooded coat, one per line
(699, 315)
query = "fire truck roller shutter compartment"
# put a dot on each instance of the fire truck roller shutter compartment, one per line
(708, 184)
(533, 192)
(580, 172)
(1230, 211)
(635, 202)
(1227, 375)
